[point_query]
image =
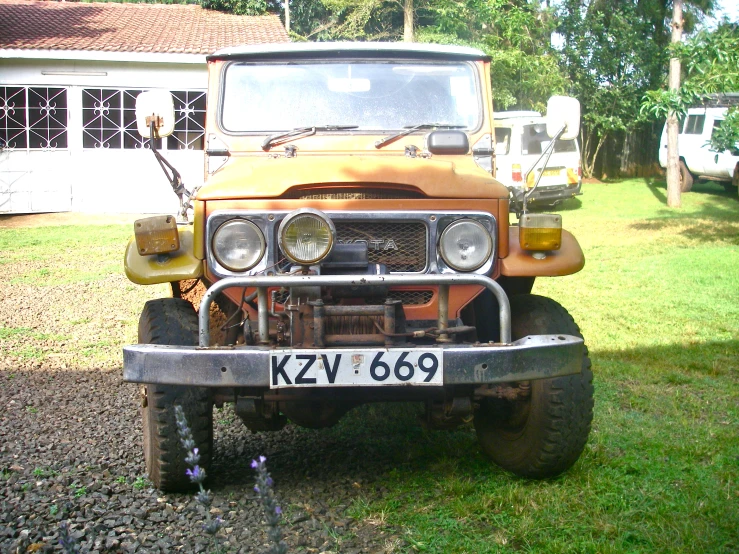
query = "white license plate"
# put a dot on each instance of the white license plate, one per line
(355, 367)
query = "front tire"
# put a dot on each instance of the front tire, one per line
(173, 321)
(541, 435)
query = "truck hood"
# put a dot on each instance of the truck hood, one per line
(273, 177)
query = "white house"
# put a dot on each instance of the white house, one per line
(69, 76)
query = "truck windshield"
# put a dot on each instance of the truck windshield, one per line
(376, 96)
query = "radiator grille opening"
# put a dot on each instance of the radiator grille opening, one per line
(407, 297)
(401, 246)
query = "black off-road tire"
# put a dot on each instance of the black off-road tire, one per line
(173, 321)
(543, 435)
(686, 177)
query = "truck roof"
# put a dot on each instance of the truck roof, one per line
(348, 49)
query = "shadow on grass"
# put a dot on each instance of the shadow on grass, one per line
(388, 439)
(723, 215)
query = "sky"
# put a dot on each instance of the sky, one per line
(729, 8)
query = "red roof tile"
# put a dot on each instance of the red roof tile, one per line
(159, 28)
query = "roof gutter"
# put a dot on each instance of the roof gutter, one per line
(101, 55)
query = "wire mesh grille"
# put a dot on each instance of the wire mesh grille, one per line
(412, 297)
(401, 246)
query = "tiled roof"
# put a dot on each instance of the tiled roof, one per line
(109, 27)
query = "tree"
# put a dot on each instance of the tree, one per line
(710, 66)
(614, 51)
(673, 171)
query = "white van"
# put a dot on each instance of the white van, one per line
(520, 138)
(697, 160)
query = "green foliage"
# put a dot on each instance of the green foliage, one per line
(240, 7)
(710, 66)
(141, 483)
(726, 137)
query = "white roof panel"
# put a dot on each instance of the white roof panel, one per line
(258, 50)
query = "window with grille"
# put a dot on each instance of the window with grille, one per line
(189, 125)
(33, 118)
(109, 120)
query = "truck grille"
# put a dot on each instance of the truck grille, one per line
(401, 246)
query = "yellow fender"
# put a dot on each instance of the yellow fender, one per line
(567, 260)
(175, 266)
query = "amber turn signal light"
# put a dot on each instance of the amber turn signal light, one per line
(540, 231)
(156, 235)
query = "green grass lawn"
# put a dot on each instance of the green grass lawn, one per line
(658, 304)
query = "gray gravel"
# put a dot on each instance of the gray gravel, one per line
(71, 452)
(70, 436)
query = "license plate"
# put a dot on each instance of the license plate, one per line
(551, 172)
(362, 367)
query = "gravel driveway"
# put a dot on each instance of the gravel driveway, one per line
(70, 441)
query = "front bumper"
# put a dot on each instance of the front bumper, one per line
(532, 357)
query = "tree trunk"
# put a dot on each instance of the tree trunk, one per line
(673, 171)
(589, 152)
(408, 20)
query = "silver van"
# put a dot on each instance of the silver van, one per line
(520, 139)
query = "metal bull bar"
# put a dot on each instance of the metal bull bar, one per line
(261, 283)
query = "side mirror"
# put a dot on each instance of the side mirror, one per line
(563, 111)
(156, 105)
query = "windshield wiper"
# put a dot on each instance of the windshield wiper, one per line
(279, 138)
(408, 130)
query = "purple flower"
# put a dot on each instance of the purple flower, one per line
(196, 474)
(278, 510)
(256, 489)
(254, 464)
(262, 459)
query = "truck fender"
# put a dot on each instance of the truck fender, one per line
(567, 260)
(164, 268)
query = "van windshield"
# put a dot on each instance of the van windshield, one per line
(371, 95)
(535, 139)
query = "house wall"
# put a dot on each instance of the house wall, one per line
(88, 169)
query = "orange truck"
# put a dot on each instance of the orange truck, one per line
(352, 230)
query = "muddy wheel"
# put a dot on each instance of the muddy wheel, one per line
(686, 178)
(543, 434)
(173, 321)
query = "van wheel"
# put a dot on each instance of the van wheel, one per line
(542, 434)
(686, 178)
(173, 321)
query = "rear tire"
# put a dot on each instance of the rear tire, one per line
(686, 178)
(543, 434)
(173, 321)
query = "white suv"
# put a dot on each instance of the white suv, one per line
(520, 139)
(696, 157)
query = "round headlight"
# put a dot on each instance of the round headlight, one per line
(306, 236)
(238, 245)
(465, 245)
